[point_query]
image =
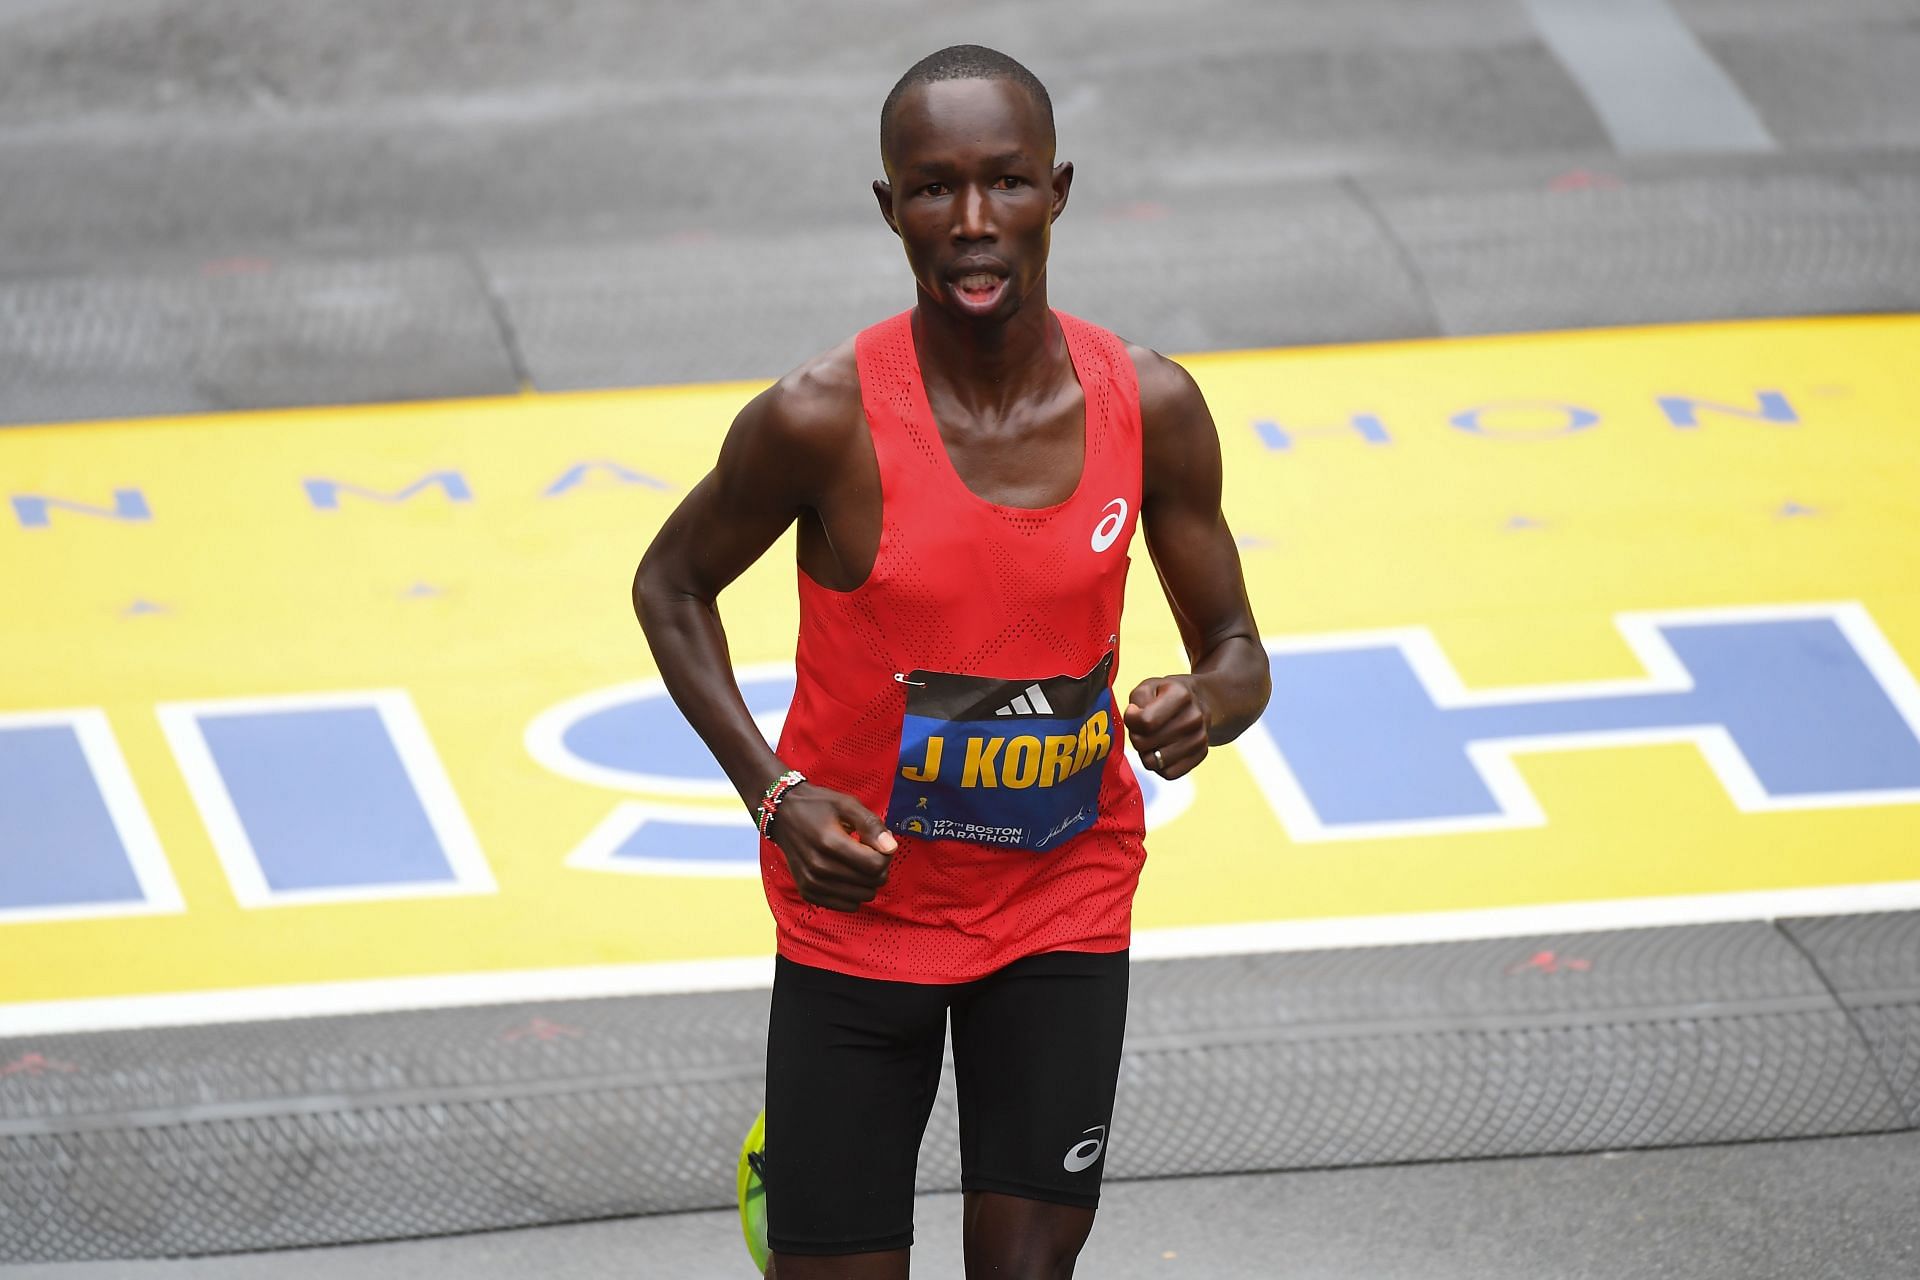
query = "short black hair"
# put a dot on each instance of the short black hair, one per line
(965, 62)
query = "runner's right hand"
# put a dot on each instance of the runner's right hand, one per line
(838, 850)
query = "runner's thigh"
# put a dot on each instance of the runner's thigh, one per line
(852, 1066)
(1036, 1051)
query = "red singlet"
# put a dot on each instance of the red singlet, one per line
(995, 602)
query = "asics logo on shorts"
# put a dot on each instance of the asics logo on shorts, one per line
(1085, 1153)
(1114, 515)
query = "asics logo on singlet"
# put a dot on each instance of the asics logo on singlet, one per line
(1085, 1153)
(1113, 516)
(1030, 703)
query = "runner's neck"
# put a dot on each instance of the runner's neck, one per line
(991, 370)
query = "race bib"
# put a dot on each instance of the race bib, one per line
(1011, 763)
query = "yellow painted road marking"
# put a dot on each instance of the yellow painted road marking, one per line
(1511, 495)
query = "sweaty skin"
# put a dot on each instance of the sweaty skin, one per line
(972, 193)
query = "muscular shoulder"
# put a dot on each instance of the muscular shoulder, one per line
(1176, 430)
(804, 423)
(815, 407)
(1168, 393)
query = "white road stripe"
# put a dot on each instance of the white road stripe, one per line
(58, 1017)
(1647, 77)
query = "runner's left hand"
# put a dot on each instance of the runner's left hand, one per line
(1165, 715)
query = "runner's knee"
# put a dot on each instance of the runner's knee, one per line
(1031, 1257)
(1010, 1238)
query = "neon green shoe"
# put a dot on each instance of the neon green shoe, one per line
(750, 1185)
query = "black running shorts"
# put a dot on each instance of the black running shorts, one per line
(852, 1065)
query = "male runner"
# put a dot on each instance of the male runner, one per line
(950, 828)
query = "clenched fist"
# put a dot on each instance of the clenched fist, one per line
(1167, 723)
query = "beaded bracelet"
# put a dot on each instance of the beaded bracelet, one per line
(770, 799)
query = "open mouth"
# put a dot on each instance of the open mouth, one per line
(979, 289)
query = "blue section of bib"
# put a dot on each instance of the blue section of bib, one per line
(1021, 781)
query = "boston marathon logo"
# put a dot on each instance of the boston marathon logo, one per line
(1012, 763)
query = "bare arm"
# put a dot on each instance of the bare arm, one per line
(777, 459)
(755, 491)
(1194, 553)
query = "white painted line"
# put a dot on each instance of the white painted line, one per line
(159, 891)
(1513, 922)
(1647, 77)
(381, 995)
(180, 721)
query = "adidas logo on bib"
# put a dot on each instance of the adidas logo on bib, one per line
(1013, 763)
(1030, 703)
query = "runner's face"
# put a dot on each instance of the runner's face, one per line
(972, 193)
